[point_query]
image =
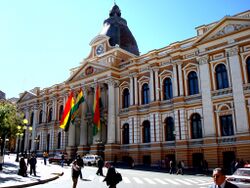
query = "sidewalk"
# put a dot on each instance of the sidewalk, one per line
(9, 177)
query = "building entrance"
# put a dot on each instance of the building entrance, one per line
(228, 158)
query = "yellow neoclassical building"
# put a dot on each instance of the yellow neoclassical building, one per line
(186, 101)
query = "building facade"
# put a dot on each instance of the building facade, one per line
(187, 101)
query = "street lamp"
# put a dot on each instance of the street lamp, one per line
(19, 135)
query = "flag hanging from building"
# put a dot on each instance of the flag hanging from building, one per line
(66, 118)
(96, 110)
(79, 101)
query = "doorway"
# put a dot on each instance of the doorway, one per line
(228, 158)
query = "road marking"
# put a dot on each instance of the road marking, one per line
(160, 181)
(149, 181)
(138, 180)
(184, 182)
(192, 181)
(125, 180)
(171, 181)
(200, 180)
(207, 183)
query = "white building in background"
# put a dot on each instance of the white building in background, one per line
(186, 101)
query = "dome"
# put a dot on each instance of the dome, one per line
(116, 28)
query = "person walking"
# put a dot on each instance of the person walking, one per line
(110, 178)
(180, 168)
(80, 164)
(62, 160)
(32, 162)
(172, 167)
(22, 168)
(219, 178)
(100, 164)
(75, 173)
(45, 156)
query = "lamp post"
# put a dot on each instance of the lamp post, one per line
(19, 136)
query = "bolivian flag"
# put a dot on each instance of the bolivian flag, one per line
(66, 118)
(96, 110)
(79, 101)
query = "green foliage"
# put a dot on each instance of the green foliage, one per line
(10, 118)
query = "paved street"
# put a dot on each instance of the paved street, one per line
(131, 178)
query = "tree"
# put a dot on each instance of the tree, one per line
(10, 118)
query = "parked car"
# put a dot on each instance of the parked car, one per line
(90, 159)
(241, 177)
(57, 158)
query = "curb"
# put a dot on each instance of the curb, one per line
(57, 175)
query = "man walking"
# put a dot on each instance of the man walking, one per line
(79, 162)
(32, 162)
(100, 164)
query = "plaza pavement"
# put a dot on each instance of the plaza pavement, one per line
(44, 173)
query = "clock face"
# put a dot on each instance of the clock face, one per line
(99, 49)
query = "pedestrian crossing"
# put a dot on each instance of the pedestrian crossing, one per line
(189, 182)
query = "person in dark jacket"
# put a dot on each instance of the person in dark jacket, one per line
(100, 164)
(80, 164)
(219, 178)
(32, 162)
(75, 173)
(22, 168)
(110, 178)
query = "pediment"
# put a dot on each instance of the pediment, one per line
(98, 39)
(26, 96)
(87, 69)
(226, 26)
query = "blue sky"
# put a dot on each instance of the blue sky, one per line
(41, 40)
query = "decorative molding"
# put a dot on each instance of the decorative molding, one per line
(232, 51)
(202, 60)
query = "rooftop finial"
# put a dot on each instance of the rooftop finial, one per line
(114, 2)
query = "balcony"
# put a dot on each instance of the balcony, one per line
(227, 140)
(221, 93)
(195, 142)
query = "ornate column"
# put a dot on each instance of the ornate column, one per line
(175, 80)
(207, 105)
(180, 78)
(157, 94)
(151, 86)
(54, 107)
(136, 89)
(35, 122)
(111, 113)
(237, 86)
(131, 87)
(83, 125)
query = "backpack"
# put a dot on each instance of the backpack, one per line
(118, 177)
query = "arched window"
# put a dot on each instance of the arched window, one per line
(196, 129)
(146, 132)
(145, 94)
(60, 112)
(221, 76)
(59, 140)
(248, 69)
(40, 117)
(50, 115)
(125, 134)
(31, 118)
(226, 124)
(169, 129)
(167, 86)
(193, 87)
(125, 98)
